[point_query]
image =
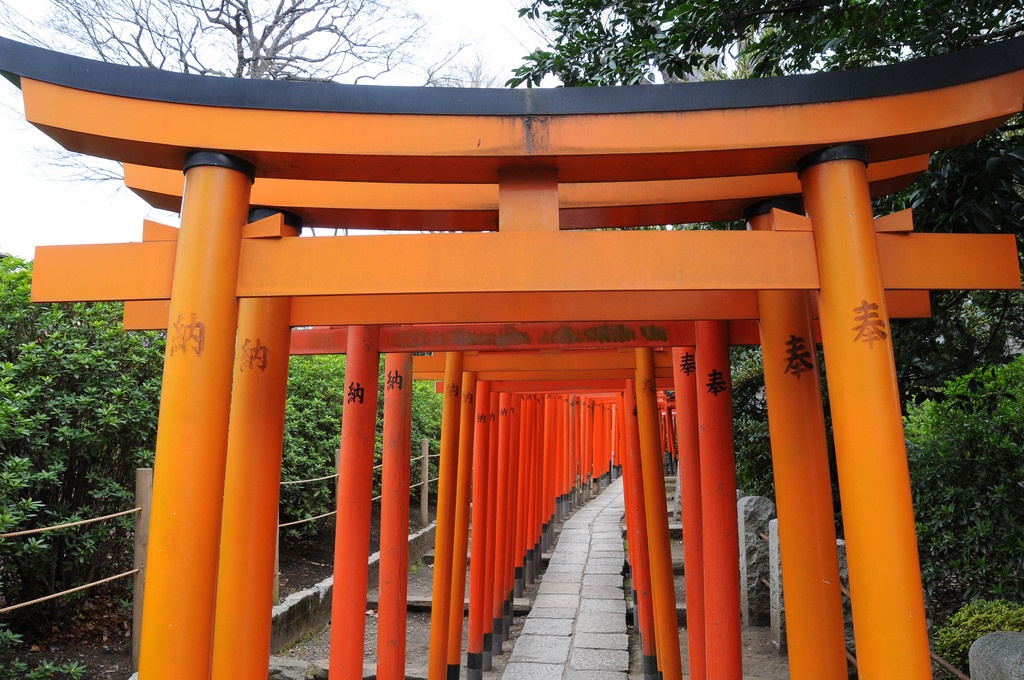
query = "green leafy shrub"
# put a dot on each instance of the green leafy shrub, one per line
(967, 473)
(954, 639)
(78, 410)
(312, 434)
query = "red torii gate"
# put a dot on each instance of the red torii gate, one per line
(829, 131)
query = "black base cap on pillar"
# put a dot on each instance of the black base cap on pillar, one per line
(221, 160)
(453, 672)
(497, 635)
(839, 152)
(650, 666)
(474, 661)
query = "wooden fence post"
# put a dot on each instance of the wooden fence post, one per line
(424, 480)
(143, 499)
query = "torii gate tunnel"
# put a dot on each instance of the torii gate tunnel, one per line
(559, 327)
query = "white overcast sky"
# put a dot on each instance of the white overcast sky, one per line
(39, 208)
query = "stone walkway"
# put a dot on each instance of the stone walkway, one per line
(577, 626)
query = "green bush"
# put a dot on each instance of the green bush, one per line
(954, 639)
(78, 411)
(967, 473)
(312, 434)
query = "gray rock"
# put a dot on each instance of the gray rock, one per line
(997, 656)
(290, 669)
(778, 609)
(753, 514)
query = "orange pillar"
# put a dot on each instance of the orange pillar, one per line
(685, 381)
(502, 520)
(392, 604)
(803, 488)
(521, 460)
(480, 537)
(515, 460)
(460, 545)
(718, 503)
(191, 445)
(878, 513)
(636, 537)
(355, 493)
(245, 581)
(490, 566)
(443, 533)
(663, 586)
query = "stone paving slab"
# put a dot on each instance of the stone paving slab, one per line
(603, 569)
(546, 600)
(559, 588)
(605, 561)
(603, 592)
(595, 675)
(533, 671)
(566, 567)
(600, 622)
(568, 577)
(601, 580)
(600, 660)
(615, 606)
(547, 649)
(553, 613)
(535, 625)
(601, 641)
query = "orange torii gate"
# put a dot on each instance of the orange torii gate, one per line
(624, 156)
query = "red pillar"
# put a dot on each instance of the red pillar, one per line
(685, 381)
(394, 519)
(460, 545)
(480, 537)
(718, 503)
(355, 491)
(662, 578)
(636, 536)
(245, 582)
(444, 532)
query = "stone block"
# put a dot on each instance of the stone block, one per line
(997, 656)
(543, 649)
(558, 588)
(753, 514)
(603, 592)
(538, 626)
(614, 606)
(595, 675)
(553, 613)
(602, 580)
(601, 641)
(778, 613)
(290, 669)
(546, 600)
(600, 622)
(532, 671)
(599, 660)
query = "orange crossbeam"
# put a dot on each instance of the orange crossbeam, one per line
(474, 207)
(526, 262)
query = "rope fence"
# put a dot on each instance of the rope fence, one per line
(425, 460)
(68, 525)
(67, 592)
